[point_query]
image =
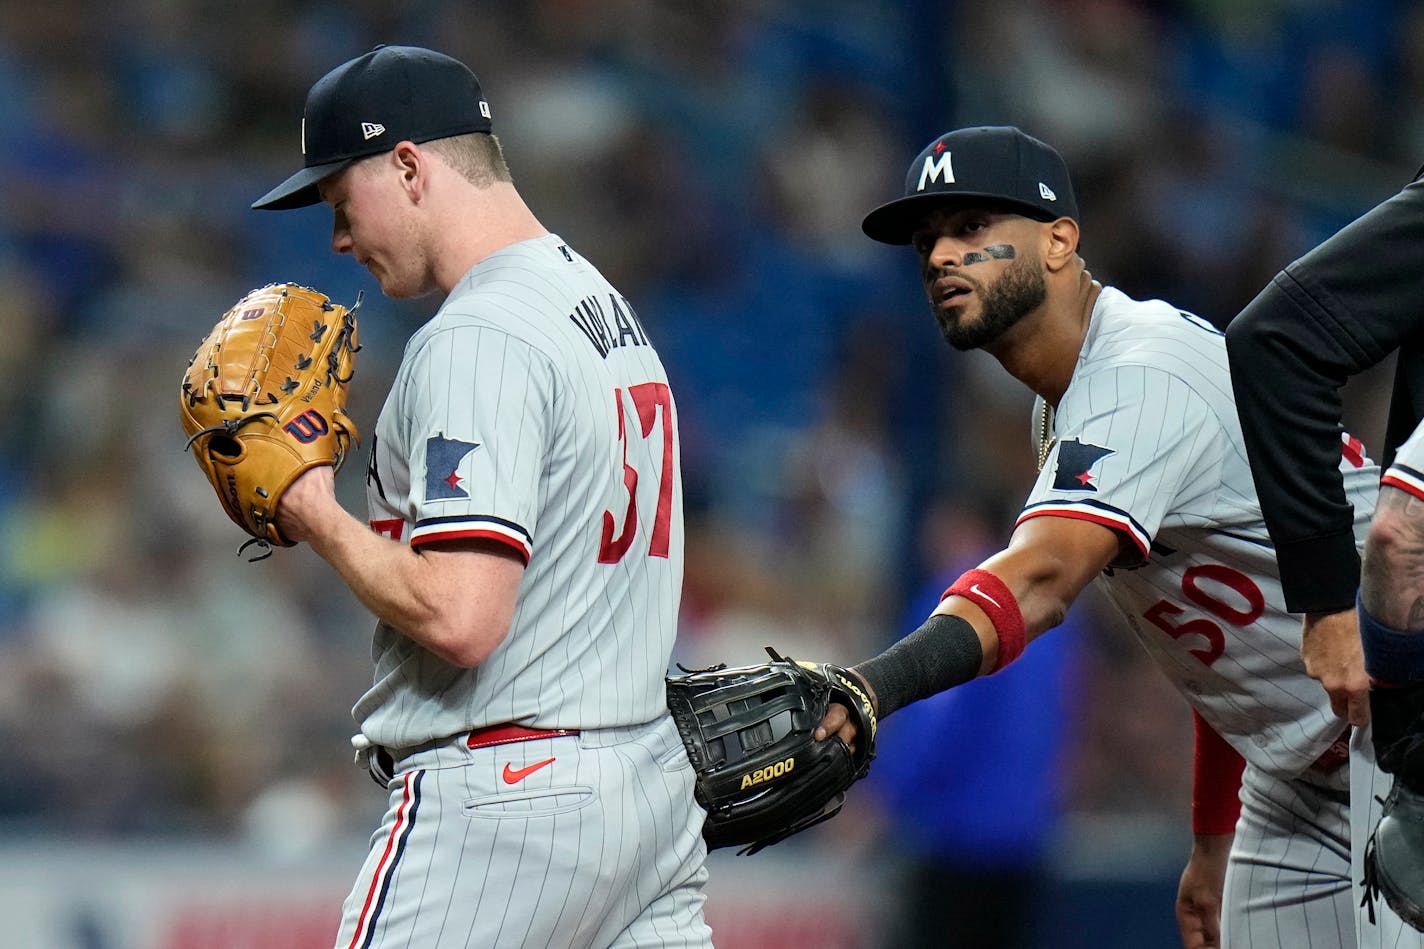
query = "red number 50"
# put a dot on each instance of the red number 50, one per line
(1162, 613)
(647, 398)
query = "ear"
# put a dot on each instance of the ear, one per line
(414, 168)
(1061, 243)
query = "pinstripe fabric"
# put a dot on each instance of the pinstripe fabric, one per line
(1146, 441)
(509, 365)
(1288, 882)
(600, 848)
(533, 411)
(1153, 393)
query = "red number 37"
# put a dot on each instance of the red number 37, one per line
(647, 398)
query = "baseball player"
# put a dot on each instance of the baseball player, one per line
(1143, 484)
(524, 551)
(1334, 313)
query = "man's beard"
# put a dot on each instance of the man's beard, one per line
(1019, 290)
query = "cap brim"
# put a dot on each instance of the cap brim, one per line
(300, 190)
(896, 222)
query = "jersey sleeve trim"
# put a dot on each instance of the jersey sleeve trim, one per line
(487, 527)
(1095, 512)
(1405, 479)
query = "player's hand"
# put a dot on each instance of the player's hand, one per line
(1199, 892)
(837, 722)
(1330, 646)
(301, 504)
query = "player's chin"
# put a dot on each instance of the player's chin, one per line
(960, 330)
(391, 286)
(950, 315)
(401, 286)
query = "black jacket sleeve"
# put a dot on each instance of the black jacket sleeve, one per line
(1335, 312)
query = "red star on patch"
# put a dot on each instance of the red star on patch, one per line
(939, 147)
(453, 480)
(1085, 478)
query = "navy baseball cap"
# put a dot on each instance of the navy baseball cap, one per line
(365, 106)
(998, 163)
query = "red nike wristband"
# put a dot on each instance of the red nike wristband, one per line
(998, 602)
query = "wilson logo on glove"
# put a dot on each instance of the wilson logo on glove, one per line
(307, 427)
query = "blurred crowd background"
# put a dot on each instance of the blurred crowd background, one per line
(715, 160)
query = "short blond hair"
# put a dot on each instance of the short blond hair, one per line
(477, 156)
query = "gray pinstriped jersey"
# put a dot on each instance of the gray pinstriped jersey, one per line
(533, 410)
(1148, 442)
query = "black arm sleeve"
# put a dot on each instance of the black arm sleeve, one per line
(944, 652)
(1333, 313)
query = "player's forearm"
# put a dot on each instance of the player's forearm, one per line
(1392, 583)
(455, 614)
(1046, 580)
(388, 578)
(957, 643)
(943, 652)
(1041, 592)
(982, 624)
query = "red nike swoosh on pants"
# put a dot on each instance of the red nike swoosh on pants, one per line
(513, 776)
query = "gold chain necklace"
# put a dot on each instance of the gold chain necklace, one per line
(1045, 432)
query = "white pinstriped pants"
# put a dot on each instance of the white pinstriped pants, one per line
(599, 847)
(1288, 881)
(1298, 859)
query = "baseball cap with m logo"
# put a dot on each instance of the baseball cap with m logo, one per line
(998, 164)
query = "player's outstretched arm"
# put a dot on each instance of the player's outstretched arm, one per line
(456, 600)
(987, 616)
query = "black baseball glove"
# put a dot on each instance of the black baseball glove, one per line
(1394, 854)
(761, 775)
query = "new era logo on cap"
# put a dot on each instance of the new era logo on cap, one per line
(993, 165)
(370, 130)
